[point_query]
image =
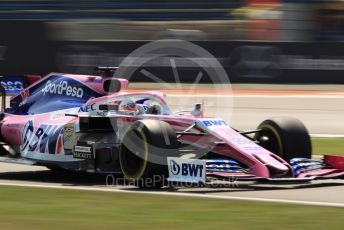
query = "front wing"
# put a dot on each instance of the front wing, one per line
(304, 170)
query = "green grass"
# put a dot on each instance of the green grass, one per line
(322, 146)
(35, 208)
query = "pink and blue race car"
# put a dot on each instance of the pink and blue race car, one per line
(89, 123)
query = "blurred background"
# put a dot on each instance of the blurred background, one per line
(288, 41)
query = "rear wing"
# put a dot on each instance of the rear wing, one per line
(106, 71)
(111, 84)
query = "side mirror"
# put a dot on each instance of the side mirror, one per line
(197, 110)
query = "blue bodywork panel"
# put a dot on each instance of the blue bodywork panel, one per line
(54, 93)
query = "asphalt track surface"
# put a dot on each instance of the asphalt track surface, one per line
(320, 110)
(319, 193)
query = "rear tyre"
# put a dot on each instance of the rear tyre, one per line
(285, 136)
(144, 150)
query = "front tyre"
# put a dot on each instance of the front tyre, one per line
(144, 150)
(285, 136)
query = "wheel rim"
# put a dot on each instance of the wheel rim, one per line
(273, 144)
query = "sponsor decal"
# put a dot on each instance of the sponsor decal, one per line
(61, 114)
(68, 135)
(13, 126)
(12, 85)
(175, 168)
(57, 115)
(87, 108)
(82, 149)
(83, 152)
(216, 122)
(27, 134)
(240, 140)
(46, 139)
(102, 113)
(186, 170)
(253, 148)
(68, 129)
(62, 88)
(94, 79)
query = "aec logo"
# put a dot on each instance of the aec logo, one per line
(62, 88)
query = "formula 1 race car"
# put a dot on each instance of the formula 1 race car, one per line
(88, 123)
